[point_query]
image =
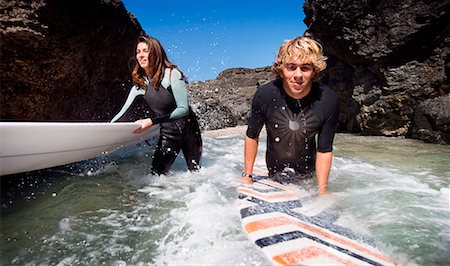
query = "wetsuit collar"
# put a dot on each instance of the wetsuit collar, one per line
(303, 101)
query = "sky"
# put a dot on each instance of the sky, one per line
(205, 37)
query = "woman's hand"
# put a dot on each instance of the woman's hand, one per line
(145, 125)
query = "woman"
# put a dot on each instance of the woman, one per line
(163, 88)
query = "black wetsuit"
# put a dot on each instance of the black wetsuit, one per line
(179, 128)
(178, 134)
(292, 126)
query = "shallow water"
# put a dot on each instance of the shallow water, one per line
(110, 211)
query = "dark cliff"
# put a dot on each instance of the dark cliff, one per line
(389, 62)
(64, 60)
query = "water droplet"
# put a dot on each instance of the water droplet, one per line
(276, 125)
(277, 139)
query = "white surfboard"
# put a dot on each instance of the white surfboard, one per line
(273, 217)
(28, 146)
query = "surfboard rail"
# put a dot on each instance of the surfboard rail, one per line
(28, 146)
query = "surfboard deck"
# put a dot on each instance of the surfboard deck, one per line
(273, 218)
(28, 146)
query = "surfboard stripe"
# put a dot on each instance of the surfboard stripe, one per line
(323, 233)
(305, 254)
(272, 207)
(263, 188)
(271, 197)
(290, 208)
(297, 234)
(278, 185)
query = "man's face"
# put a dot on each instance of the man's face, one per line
(297, 78)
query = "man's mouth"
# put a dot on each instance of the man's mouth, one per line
(297, 84)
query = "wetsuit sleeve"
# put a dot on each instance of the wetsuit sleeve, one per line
(135, 91)
(326, 134)
(256, 118)
(180, 95)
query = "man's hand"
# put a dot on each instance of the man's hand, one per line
(323, 190)
(145, 125)
(246, 180)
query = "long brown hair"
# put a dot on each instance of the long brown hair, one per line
(158, 62)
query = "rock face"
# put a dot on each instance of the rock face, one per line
(225, 101)
(64, 60)
(389, 62)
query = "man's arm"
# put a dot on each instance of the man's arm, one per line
(250, 150)
(323, 166)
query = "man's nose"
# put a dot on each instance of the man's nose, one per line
(298, 72)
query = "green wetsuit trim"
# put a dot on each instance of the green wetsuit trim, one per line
(179, 90)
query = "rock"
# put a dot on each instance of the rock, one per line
(225, 101)
(386, 57)
(432, 120)
(65, 60)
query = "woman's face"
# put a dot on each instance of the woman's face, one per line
(142, 52)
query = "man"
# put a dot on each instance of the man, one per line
(294, 110)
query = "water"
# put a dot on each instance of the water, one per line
(110, 211)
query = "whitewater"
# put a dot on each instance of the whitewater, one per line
(111, 211)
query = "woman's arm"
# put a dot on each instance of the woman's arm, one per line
(135, 91)
(180, 94)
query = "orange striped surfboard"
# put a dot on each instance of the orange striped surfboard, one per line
(272, 217)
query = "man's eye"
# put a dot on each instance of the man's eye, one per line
(291, 67)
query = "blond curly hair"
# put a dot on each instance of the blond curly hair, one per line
(306, 49)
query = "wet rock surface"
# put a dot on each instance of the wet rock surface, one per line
(388, 60)
(64, 60)
(225, 101)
